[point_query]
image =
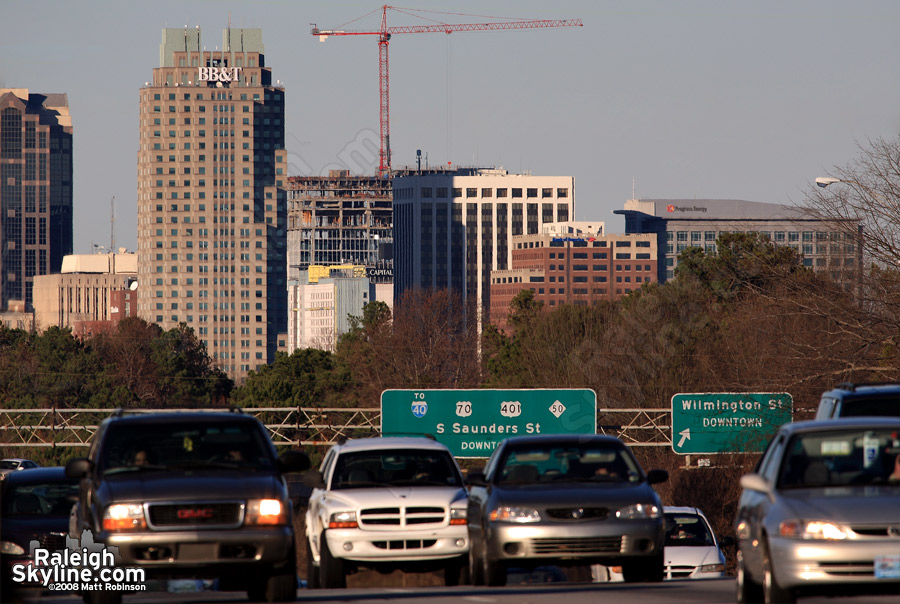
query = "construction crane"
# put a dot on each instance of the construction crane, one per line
(384, 35)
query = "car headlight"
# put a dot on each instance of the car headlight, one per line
(124, 517)
(815, 529)
(265, 512)
(712, 568)
(343, 520)
(638, 511)
(457, 516)
(515, 514)
(13, 549)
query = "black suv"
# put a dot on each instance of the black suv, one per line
(191, 495)
(853, 400)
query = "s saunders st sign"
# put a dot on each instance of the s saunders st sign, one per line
(471, 423)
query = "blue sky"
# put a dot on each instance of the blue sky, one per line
(692, 99)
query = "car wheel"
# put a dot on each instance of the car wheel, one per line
(280, 588)
(331, 569)
(278, 585)
(772, 592)
(647, 570)
(494, 571)
(312, 571)
(456, 572)
(476, 570)
(102, 597)
(748, 590)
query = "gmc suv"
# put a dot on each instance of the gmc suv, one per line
(193, 494)
(854, 400)
(386, 503)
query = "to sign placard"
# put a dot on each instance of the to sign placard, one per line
(729, 422)
(472, 422)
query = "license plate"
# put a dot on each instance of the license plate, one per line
(887, 567)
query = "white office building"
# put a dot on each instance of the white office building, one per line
(453, 227)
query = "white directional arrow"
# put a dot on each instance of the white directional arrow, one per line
(685, 435)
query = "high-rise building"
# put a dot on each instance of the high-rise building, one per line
(211, 201)
(339, 219)
(452, 228)
(323, 299)
(35, 190)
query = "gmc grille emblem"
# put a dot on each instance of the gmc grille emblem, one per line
(189, 513)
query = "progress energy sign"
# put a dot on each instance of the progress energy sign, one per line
(727, 422)
(471, 423)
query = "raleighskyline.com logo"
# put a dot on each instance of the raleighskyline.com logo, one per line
(82, 566)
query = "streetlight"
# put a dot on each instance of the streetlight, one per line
(824, 181)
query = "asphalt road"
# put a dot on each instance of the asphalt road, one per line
(670, 592)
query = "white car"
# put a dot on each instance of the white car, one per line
(691, 550)
(15, 465)
(386, 503)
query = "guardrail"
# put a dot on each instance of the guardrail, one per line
(293, 426)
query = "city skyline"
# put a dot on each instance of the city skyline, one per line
(689, 100)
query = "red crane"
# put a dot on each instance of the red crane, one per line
(384, 35)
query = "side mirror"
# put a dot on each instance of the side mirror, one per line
(755, 482)
(293, 461)
(79, 467)
(313, 479)
(657, 476)
(726, 541)
(476, 478)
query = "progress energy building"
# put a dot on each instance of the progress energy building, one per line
(211, 202)
(682, 223)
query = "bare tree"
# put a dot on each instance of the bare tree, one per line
(866, 192)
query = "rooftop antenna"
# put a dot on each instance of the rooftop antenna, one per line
(112, 224)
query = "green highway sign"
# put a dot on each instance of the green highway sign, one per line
(730, 422)
(472, 422)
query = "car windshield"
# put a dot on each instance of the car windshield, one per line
(396, 467)
(9, 464)
(687, 530)
(841, 458)
(148, 447)
(568, 463)
(46, 499)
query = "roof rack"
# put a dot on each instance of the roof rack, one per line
(852, 386)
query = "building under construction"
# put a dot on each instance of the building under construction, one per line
(340, 219)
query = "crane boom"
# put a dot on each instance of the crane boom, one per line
(384, 35)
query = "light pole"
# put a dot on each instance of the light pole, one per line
(824, 181)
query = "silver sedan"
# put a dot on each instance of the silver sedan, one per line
(564, 500)
(821, 512)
